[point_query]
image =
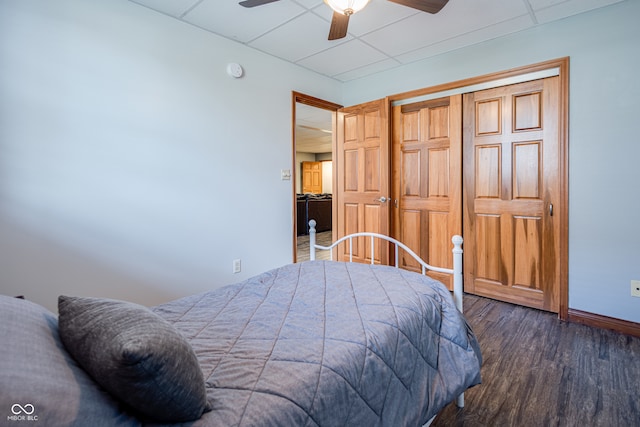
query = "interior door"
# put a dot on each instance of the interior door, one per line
(427, 180)
(362, 185)
(312, 177)
(512, 193)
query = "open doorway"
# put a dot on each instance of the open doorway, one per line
(313, 179)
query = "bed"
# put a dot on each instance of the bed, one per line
(319, 343)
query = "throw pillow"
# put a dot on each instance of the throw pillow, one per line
(137, 356)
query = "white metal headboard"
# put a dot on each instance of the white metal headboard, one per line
(456, 271)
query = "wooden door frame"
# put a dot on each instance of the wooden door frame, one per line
(562, 65)
(297, 97)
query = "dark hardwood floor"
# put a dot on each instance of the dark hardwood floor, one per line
(322, 238)
(540, 371)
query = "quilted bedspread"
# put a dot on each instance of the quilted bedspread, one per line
(326, 343)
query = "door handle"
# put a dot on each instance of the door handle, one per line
(382, 199)
(550, 209)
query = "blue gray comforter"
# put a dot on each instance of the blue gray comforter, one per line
(326, 343)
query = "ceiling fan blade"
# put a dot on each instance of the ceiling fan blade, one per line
(254, 3)
(430, 6)
(339, 24)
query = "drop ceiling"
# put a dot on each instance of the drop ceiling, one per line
(384, 35)
(313, 129)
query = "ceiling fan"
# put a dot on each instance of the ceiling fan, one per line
(343, 9)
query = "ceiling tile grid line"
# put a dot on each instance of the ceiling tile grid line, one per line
(190, 8)
(531, 12)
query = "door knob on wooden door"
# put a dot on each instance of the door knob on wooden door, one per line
(382, 199)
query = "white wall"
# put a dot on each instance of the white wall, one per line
(604, 147)
(131, 165)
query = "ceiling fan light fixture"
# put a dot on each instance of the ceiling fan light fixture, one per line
(347, 7)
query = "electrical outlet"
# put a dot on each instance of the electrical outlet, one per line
(635, 288)
(237, 266)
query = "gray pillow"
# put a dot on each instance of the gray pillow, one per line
(40, 381)
(137, 356)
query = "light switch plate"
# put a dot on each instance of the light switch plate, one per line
(285, 174)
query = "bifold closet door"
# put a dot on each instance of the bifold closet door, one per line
(427, 180)
(511, 193)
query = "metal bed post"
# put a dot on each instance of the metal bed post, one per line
(312, 240)
(457, 270)
(457, 287)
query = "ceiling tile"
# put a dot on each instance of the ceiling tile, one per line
(378, 15)
(313, 129)
(467, 39)
(403, 36)
(543, 4)
(227, 18)
(457, 17)
(310, 33)
(310, 4)
(170, 7)
(314, 116)
(550, 10)
(366, 70)
(343, 58)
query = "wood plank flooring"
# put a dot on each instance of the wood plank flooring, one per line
(322, 239)
(540, 371)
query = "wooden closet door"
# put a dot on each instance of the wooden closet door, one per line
(427, 180)
(312, 177)
(362, 187)
(511, 192)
